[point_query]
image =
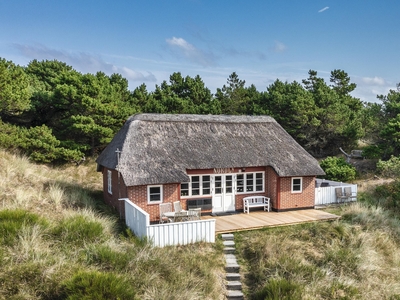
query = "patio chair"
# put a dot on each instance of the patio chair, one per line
(181, 216)
(194, 213)
(340, 197)
(177, 206)
(349, 194)
(165, 207)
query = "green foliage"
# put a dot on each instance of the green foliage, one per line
(78, 114)
(78, 230)
(337, 169)
(390, 167)
(372, 151)
(107, 258)
(97, 285)
(12, 221)
(389, 196)
(390, 129)
(279, 289)
(14, 89)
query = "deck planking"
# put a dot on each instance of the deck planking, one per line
(260, 219)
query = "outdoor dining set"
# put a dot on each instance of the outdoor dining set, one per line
(345, 195)
(168, 215)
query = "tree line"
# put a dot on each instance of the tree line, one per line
(53, 113)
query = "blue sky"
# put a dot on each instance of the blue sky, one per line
(148, 40)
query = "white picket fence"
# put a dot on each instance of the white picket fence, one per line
(325, 191)
(161, 235)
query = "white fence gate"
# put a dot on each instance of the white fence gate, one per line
(325, 191)
(180, 233)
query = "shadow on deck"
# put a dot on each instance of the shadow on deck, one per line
(259, 219)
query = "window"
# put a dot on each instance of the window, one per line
(199, 185)
(250, 182)
(154, 194)
(109, 181)
(297, 185)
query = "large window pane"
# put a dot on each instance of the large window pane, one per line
(249, 182)
(259, 182)
(195, 185)
(228, 184)
(185, 189)
(206, 185)
(240, 183)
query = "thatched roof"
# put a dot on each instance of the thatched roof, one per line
(158, 148)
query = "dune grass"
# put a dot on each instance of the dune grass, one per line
(357, 257)
(59, 241)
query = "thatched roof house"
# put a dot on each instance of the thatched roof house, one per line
(159, 149)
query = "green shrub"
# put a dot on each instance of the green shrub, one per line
(372, 151)
(11, 222)
(107, 258)
(77, 230)
(337, 169)
(279, 289)
(97, 285)
(389, 195)
(389, 168)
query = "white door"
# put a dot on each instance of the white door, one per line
(223, 196)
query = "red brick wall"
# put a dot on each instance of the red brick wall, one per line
(289, 200)
(118, 191)
(271, 179)
(138, 195)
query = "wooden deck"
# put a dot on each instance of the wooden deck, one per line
(260, 219)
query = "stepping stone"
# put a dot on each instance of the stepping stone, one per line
(233, 295)
(234, 286)
(229, 250)
(232, 268)
(232, 276)
(228, 243)
(230, 259)
(227, 237)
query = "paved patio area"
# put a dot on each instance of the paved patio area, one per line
(260, 219)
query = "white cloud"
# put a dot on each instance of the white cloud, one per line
(190, 52)
(323, 9)
(374, 80)
(279, 47)
(82, 62)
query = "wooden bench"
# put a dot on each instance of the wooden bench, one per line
(255, 201)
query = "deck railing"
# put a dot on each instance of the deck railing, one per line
(179, 233)
(325, 191)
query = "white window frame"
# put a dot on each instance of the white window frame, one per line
(109, 181)
(201, 186)
(254, 186)
(149, 201)
(300, 185)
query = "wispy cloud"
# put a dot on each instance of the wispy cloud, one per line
(190, 52)
(82, 62)
(374, 80)
(279, 47)
(323, 9)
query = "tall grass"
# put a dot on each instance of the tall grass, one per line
(58, 240)
(357, 257)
